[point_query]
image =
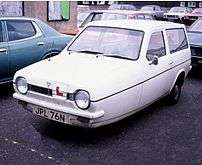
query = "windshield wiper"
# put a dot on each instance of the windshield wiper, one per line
(89, 51)
(117, 56)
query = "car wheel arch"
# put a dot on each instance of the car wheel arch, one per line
(180, 77)
(50, 54)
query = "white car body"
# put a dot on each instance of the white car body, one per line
(117, 87)
(171, 15)
(154, 10)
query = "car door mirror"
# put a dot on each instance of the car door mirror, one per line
(154, 60)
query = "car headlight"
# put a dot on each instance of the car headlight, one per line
(82, 99)
(21, 85)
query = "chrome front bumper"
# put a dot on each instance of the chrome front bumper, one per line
(59, 107)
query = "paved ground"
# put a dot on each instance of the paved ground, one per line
(159, 135)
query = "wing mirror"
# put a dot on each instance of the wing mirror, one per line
(154, 60)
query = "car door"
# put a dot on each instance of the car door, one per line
(178, 48)
(26, 43)
(4, 63)
(157, 75)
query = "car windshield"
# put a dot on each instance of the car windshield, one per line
(147, 8)
(197, 10)
(113, 16)
(177, 9)
(113, 42)
(196, 26)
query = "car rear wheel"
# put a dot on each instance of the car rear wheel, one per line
(175, 93)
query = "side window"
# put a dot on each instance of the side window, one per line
(157, 8)
(156, 46)
(20, 30)
(176, 40)
(1, 32)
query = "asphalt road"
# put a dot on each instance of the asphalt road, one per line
(158, 135)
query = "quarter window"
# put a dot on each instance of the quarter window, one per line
(156, 46)
(20, 30)
(1, 32)
(176, 39)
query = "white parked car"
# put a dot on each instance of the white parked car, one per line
(177, 13)
(122, 7)
(109, 71)
(154, 10)
(103, 15)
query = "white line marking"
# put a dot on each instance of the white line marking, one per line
(27, 147)
(49, 157)
(33, 150)
(14, 142)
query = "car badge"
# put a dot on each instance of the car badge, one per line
(58, 92)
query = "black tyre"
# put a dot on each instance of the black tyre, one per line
(174, 95)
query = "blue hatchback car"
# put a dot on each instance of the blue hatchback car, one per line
(24, 41)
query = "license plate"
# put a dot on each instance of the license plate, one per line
(50, 114)
(200, 61)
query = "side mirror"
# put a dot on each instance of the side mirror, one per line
(154, 60)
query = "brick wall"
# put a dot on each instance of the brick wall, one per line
(38, 9)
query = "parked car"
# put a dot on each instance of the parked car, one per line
(122, 7)
(195, 39)
(193, 16)
(115, 15)
(24, 41)
(177, 13)
(154, 10)
(111, 70)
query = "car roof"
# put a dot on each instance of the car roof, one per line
(118, 11)
(151, 6)
(143, 25)
(17, 18)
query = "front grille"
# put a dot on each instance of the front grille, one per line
(41, 90)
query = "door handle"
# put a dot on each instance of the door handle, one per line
(170, 63)
(3, 50)
(40, 43)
